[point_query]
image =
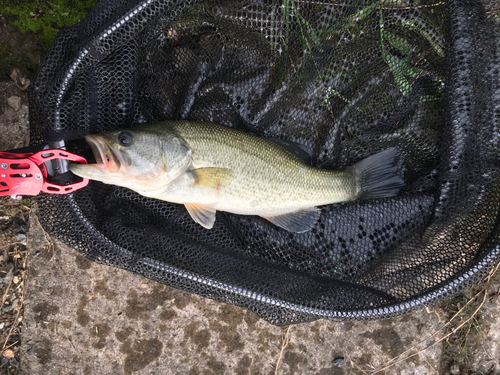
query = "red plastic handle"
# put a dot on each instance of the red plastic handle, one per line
(25, 174)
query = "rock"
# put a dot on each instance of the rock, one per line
(21, 82)
(21, 237)
(20, 228)
(6, 273)
(14, 102)
(32, 349)
(339, 361)
(15, 303)
(345, 327)
(7, 308)
(454, 369)
(107, 320)
(100, 312)
(14, 362)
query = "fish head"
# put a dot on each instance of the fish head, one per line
(130, 158)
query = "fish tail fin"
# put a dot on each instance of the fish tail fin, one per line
(378, 176)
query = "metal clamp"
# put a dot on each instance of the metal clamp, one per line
(26, 173)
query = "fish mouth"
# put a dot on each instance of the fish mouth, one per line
(110, 163)
(106, 157)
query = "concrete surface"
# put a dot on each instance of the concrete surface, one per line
(86, 318)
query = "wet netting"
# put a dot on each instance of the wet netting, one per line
(344, 79)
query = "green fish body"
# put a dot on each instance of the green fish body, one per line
(209, 168)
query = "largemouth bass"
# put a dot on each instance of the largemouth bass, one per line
(211, 168)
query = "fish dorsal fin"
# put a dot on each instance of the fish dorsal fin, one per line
(202, 214)
(298, 221)
(298, 150)
(211, 177)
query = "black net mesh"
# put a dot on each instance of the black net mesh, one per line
(344, 79)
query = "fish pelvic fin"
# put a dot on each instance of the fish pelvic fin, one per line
(211, 177)
(378, 176)
(298, 221)
(202, 214)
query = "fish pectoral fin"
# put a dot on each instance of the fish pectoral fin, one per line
(202, 214)
(211, 177)
(298, 221)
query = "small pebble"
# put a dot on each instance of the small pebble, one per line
(21, 237)
(15, 302)
(6, 274)
(2, 325)
(20, 228)
(345, 327)
(18, 78)
(9, 307)
(32, 349)
(339, 361)
(14, 362)
(14, 102)
(454, 369)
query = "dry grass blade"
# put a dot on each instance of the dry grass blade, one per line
(16, 321)
(485, 294)
(4, 297)
(284, 344)
(448, 323)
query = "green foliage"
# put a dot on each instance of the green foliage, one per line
(44, 17)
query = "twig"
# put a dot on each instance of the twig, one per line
(284, 344)
(71, 342)
(6, 292)
(441, 339)
(13, 325)
(16, 321)
(11, 345)
(492, 272)
(430, 366)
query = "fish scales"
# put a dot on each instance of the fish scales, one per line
(266, 179)
(210, 168)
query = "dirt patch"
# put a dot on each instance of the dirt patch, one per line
(140, 353)
(18, 50)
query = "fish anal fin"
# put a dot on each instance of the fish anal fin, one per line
(298, 221)
(211, 177)
(202, 214)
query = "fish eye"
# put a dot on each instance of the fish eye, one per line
(126, 139)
